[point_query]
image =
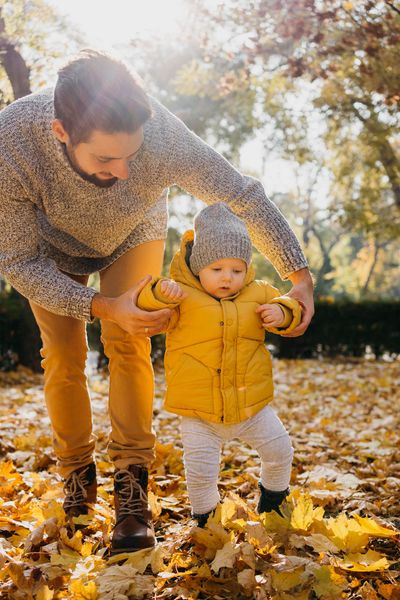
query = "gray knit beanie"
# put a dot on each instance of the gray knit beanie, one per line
(218, 233)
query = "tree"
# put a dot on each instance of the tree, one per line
(345, 58)
(31, 33)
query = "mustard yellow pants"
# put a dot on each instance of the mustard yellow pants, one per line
(131, 390)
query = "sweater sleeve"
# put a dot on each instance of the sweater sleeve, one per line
(204, 173)
(25, 268)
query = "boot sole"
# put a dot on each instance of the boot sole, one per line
(114, 552)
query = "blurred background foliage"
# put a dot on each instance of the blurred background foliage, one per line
(315, 81)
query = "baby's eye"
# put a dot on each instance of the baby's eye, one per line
(216, 269)
(238, 271)
(103, 160)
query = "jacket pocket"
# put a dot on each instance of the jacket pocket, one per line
(258, 383)
(190, 385)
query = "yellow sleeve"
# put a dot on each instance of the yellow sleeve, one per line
(151, 297)
(291, 309)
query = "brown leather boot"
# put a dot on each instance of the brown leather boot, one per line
(133, 528)
(80, 489)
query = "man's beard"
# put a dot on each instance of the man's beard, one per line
(103, 183)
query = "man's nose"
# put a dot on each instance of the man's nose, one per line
(120, 169)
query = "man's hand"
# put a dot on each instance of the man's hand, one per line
(271, 315)
(123, 311)
(302, 291)
(172, 290)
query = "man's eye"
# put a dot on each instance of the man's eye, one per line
(238, 271)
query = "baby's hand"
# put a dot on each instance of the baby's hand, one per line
(172, 290)
(272, 316)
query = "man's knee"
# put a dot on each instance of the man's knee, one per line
(67, 350)
(118, 342)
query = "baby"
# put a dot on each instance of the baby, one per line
(218, 370)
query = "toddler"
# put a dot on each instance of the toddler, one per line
(218, 370)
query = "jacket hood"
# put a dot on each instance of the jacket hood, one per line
(180, 270)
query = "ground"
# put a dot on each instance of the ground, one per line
(338, 537)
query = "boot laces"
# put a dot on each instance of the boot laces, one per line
(131, 495)
(74, 488)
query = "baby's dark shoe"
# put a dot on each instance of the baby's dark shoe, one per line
(270, 500)
(202, 519)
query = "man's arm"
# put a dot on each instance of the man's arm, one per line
(25, 268)
(124, 311)
(204, 173)
(303, 292)
(38, 278)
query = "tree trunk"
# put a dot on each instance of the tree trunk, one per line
(14, 65)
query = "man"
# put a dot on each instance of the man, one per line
(84, 174)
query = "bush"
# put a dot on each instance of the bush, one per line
(338, 329)
(345, 329)
(19, 334)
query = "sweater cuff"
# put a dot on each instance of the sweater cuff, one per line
(79, 305)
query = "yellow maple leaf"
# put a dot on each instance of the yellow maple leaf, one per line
(373, 528)
(225, 557)
(9, 478)
(247, 579)
(213, 538)
(304, 514)
(86, 549)
(369, 561)
(48, 510)
(155, 504)
(181, 560)
(74, 542)
(284, 581)
(83, 591)
(157, 559)
(274, 522)
(345, 533)
(66, 558)
(228, 511)
(204, 571)
(258, 537)
(44, 593)
(328, 583)
(140, 560)
(302, 595)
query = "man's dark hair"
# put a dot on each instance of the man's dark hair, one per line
(97, 91)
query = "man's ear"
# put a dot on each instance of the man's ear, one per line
(59, 131)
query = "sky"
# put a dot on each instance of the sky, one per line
(110, 25)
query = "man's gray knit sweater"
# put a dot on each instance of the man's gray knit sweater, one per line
(51, 219)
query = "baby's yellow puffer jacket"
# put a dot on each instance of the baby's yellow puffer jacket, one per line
(216, 364)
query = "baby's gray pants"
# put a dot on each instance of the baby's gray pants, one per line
(202, 443)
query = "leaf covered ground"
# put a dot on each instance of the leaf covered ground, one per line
(338, 537)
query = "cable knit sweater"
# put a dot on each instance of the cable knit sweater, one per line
(51, 219)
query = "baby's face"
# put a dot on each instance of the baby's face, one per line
(224, 277)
